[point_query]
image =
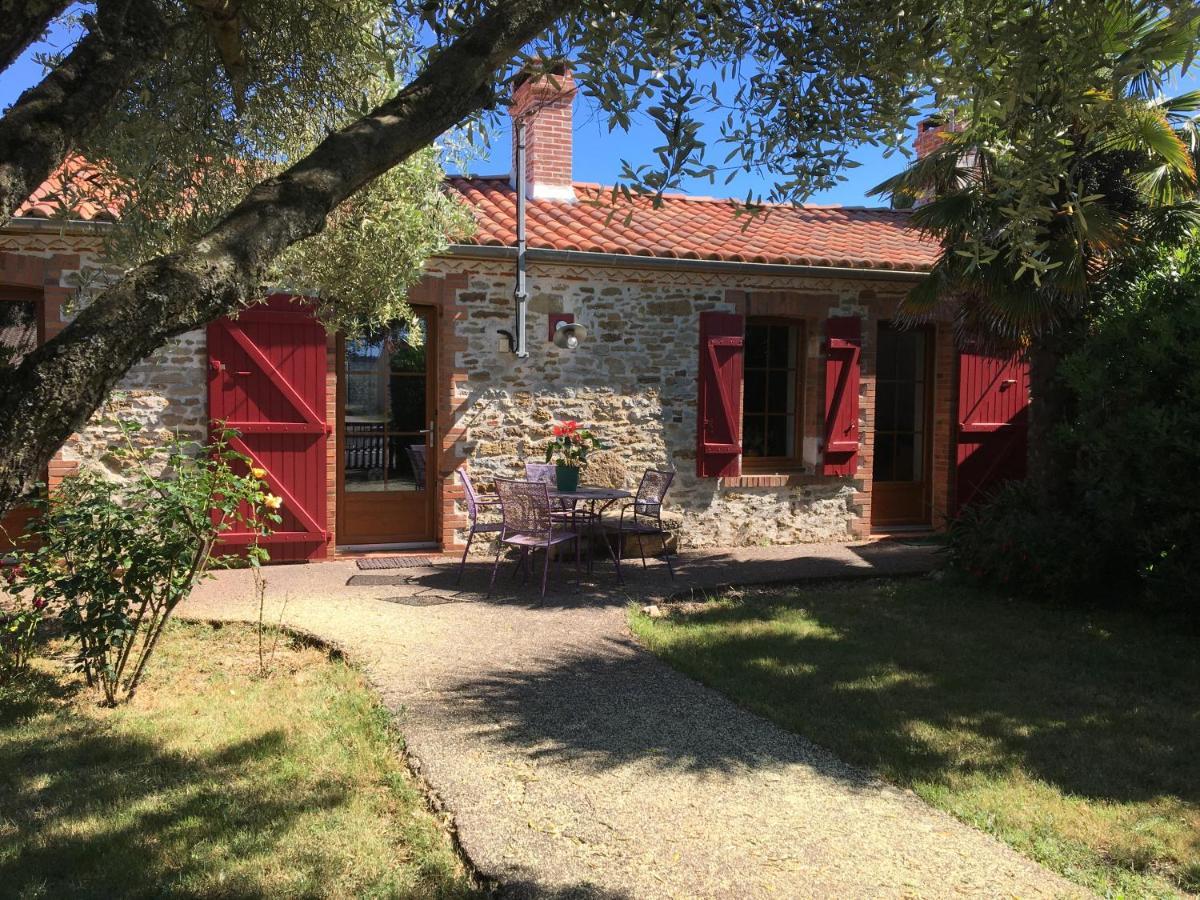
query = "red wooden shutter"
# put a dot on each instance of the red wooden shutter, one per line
(993, 422)
(266, 379)
(843, 347)
(719, 399)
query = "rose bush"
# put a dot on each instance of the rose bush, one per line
(114, 558)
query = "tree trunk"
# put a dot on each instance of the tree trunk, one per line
(24, 25)
(58, 386)
(39, 130)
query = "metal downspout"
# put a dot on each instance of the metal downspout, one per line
(520, 294)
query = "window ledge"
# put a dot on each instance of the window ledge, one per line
(774, 480)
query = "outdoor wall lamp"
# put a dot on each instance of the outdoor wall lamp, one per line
(565, 332)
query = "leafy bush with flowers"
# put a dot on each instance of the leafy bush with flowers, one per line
(18, 631)
(113, 559)
(571, 445)
(1015, 543)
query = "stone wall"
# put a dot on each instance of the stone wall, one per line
(166, 394)
(633, 382)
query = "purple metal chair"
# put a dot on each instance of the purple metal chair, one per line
(546, 473)
(643, 516)
(541, 473)
(528, 525)
(475, 505)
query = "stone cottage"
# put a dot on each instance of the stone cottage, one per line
(753, 354)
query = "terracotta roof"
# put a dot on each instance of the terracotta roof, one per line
(74, 191)
(701, 228)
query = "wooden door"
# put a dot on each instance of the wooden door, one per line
(266, 379)
(993, 423)
(900, 481)
(386, 417)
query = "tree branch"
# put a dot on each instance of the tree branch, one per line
(39, 129)
(62, 383)
(24, 22)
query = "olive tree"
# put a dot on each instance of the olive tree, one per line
(233, 91)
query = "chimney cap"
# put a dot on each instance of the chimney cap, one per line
(538, 69)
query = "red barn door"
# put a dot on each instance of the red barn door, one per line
(993, 422)
(266, 379)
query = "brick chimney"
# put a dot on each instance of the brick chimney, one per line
(931, 134)
(545, 108)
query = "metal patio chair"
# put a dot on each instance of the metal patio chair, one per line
(527, 524)
(475, 506)
(642, 516)
(547, 473)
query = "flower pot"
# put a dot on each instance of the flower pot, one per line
(567, 477)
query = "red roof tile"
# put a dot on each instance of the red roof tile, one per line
(74, 191)
(700, 228)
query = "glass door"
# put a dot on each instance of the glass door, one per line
(900, 479)
(386, 422)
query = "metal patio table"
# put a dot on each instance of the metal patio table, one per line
(597, 500)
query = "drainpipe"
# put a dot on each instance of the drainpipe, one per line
(520, 294)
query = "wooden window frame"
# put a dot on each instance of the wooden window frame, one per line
(782, 464)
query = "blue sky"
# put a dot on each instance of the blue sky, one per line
(598, 152)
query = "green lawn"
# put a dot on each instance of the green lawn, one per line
(1074, 736)
(213, 782)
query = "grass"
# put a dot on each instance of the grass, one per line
(213, 782)
(1074, 736)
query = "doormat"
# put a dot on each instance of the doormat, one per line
(426, 600)
(396, 562)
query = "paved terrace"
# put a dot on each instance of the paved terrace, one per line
(574, 764)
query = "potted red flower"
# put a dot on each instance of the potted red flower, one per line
(568, 450)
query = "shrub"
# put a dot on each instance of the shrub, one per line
(1129, 516)
(1136, 434)
(1013, 542)
(115, 557)
(18, 634)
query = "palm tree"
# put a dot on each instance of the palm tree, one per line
(1119, 177)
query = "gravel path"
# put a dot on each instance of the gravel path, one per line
(576, 764)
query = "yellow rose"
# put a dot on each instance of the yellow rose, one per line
(272, 502)
(259, 473)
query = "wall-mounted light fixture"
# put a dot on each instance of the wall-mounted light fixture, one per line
(565, 332)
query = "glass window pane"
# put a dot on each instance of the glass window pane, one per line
(906, 409)
(756, 391)
(408, 403)
(406, 464)
(905, 469)
(406, 347)
(753, 436)
(756, 346)
(777, 440)
(780, 351)
(885, 406)
(365, 456)
(906, 355)
(885, 445)
(778, 391)
(18, 331)
(885, 355)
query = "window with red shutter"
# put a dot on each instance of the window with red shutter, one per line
(843, 347)
(719, 396)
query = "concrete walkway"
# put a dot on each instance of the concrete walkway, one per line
(575, 764)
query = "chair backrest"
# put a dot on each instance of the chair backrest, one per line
(469, 490)
(416, 456)
(652, 490)
(524, 506)
(542, 473)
